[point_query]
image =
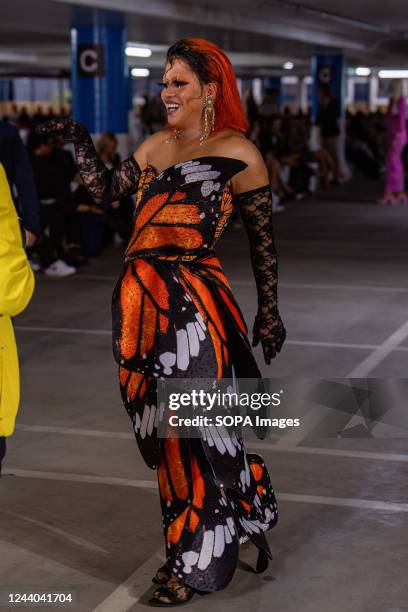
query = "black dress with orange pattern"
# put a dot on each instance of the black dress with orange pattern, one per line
(174, 315)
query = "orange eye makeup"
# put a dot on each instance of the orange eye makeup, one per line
(178, 83)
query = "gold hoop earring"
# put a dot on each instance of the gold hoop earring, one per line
(208, 119)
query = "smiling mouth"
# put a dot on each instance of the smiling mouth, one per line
(171, 108)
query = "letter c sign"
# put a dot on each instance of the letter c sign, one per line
(325, 75)
(90, 60)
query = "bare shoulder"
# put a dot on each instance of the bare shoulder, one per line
(144, 152)
(255, 174)
(235, 144)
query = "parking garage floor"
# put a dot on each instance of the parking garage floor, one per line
(79, 511)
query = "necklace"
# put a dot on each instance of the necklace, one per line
(176, 135)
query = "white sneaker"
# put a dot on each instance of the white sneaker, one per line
(276, 205)
(34, 265)
(277, 208)
(59, 269)
(117, 240)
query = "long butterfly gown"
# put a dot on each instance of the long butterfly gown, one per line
(174, 315)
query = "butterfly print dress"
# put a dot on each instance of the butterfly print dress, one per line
(174, 315)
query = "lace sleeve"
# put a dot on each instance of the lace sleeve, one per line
(256, 211)
(104, 185)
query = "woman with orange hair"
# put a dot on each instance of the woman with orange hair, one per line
(174, 314)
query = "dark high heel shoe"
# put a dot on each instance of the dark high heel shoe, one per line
(262, 561)
(173, 593)
(162, 575)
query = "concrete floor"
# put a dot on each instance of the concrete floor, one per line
(79, 511)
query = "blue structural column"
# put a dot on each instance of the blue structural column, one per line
(5, 95)
(274, 84)
(100, 77)
(329, 75)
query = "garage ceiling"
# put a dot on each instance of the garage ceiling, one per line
(259, 34)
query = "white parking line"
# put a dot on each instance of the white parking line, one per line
(350, 345)
(344, 345)
(328, 287)
(63, 330)
(266, 446)
(323, 287)
(106, 332)
(63, 477)
(243, 283)
(60, 532)
(70, 431)
(363, 369)
(351, 502)
(331, 452)
(125, 596)
(310, 421)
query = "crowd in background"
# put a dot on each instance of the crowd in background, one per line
(73, 228)
(299, 162)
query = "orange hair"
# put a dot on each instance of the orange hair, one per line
(211, 65)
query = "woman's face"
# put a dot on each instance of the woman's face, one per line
(183, 95)
(110, 147)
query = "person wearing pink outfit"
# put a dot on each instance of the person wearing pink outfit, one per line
(396, 141)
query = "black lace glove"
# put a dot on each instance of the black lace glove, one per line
(105, 186)
(256, 212)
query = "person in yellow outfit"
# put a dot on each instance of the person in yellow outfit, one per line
(16, 289)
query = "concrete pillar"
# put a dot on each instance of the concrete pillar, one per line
(100, 78)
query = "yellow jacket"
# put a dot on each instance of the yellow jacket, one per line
(16, 289)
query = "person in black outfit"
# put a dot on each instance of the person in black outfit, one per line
(39, 116)
(19, 173)
(251, 107)
(23, 120)
(328, 121)
(52, 177)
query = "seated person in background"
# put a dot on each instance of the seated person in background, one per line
(86, 227)
(119, 216)
(278, 185)
(327, 168)
(287, 159)
(361, 146)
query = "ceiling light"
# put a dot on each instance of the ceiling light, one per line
(393, 74)
(362, 71)
(140, 72)
(138, 52)
(288, 65)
